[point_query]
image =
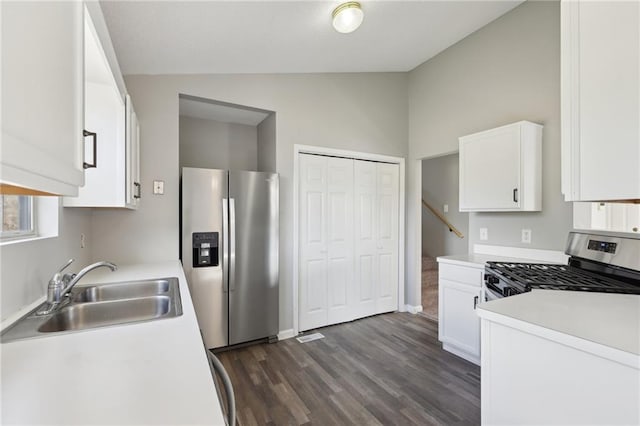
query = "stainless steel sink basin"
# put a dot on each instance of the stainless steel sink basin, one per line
(116, 291)
(102, 305)
(100, 314)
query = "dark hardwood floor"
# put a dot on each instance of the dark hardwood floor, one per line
(388, 369)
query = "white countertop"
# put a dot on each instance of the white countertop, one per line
(604, 324)
(146, 373)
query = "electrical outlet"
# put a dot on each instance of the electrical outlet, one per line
(526, 236)
(82, 241)
(446, 208)
(158, 187)
(484, 234)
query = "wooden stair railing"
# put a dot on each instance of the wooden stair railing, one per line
(443, 219)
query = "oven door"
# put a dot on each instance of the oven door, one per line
(490, 295)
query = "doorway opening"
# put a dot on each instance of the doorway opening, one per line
(444, 227)
(220, 135)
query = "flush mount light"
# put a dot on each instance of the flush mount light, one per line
(347, 17)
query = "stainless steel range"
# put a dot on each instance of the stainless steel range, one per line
(597, 263)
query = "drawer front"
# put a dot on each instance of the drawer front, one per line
(461, 274)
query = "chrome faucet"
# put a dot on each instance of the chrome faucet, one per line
(60, 285)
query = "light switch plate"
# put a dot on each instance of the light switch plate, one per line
(446, 208)
(484, 234)
(158, 187)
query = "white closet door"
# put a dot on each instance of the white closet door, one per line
(313, 243)
(387, 212)
(365, 238)
(339, 227)
(348, 239)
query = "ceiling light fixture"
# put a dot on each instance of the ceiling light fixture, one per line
(347, 17)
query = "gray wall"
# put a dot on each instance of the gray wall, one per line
(505, 72)
(439, 187)
(27, 266)
(217, 145)
(267, 144)
(359, 112)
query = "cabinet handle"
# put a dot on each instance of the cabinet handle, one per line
(475, 301)
(515, 195)
(94, 135)
(138, 190)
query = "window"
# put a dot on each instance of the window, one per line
(17, 216)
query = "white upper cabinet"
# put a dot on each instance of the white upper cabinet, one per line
(110, 119)
(42, 96)
(133, 157)
(600, 100)
(500, 169)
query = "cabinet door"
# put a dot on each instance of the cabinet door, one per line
(459, 324)
(105, 116)
(490, 170)
(600, 101)
(133, 186)
(42, 96)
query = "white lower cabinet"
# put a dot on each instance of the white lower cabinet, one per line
(348, 252)
(460, 290)
(529, 379)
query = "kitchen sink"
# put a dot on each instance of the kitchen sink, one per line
(101, 305)
(126, 290)
(100, 314)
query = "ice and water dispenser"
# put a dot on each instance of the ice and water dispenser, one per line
(205, 249)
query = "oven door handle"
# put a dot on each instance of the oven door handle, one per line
(490, 294)
(493, 289)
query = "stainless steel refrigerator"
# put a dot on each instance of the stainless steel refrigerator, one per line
(229, 240)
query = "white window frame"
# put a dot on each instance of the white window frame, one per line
(22, 234)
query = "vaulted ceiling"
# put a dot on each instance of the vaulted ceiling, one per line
(193, 37)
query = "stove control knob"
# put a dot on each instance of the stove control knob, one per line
(492, 279)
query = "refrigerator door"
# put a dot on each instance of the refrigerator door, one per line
(204, 194)
(253, 258)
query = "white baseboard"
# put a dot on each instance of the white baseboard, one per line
(286, 334)
(413, 309)
(462, 354)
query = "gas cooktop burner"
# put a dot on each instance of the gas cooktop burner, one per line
(596, 263)
(527, 276)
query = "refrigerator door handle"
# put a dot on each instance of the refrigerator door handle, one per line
(225, 245)
(232, 243)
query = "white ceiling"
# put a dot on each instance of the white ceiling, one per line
(182, 37)
(210, 110)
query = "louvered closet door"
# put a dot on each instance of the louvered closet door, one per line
(326, 241)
